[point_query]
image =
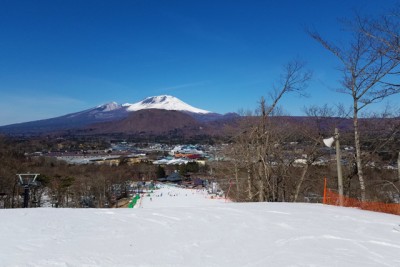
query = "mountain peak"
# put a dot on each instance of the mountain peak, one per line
(109, 106)
(166, 102)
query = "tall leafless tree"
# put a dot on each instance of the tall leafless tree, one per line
(368, 63)
(259, 143)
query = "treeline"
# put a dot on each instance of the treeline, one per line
(289, 161)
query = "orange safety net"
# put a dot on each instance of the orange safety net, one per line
(333, 198)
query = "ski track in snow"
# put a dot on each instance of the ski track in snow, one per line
(177, 227)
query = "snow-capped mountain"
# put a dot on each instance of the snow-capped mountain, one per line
(166, 102)
(118, 117)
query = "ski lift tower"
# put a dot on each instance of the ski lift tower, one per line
(27, 180)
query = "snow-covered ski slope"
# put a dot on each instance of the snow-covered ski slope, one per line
(186, 228)
(174, 197)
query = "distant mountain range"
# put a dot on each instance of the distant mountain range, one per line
(153, 115)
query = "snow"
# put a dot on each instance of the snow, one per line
(166, 102)
(179, 227)
(109, 106)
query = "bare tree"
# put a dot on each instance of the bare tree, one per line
(241, 157)
(258, 144)
(368, 63)
(314, 133)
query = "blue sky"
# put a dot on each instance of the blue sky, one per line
(59, 57)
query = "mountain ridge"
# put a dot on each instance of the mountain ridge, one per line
(112, 112)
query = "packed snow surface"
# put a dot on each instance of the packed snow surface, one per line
(166, 102)
(178, 227)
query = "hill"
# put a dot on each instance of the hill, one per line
(141, 117)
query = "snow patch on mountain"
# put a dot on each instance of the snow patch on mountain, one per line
(109, 106)
(166, 102)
